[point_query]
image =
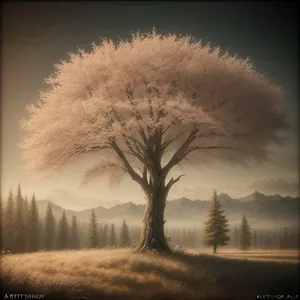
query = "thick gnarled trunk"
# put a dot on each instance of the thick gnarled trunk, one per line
(153, 237)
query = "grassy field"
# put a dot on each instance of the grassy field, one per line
(125, 274)
(289, 256)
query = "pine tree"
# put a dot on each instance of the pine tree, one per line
(49, 226)
(177, 237)
(236, 237)
(290, 239)
(245, 237)
(33, 226)
(74, 235)
(278, 239)
(19, 236)
(296, 238)
(189, 239)
(255, 239)
(113, 237)
(100, 234)
(105, 235)
(284, 239)
(294, 242)
(216, 227)
(183, 239)
(272, 239)
(41, 235)
(267, 240)
(8, 223)
(26, 212)
(93, 241)
(63, 233)
(194, 238)
(26, 206)
(83, 235)
(124, 236)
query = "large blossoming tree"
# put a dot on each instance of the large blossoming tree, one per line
(145, 105)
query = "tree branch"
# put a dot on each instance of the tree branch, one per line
(137, 115)
(191, 149)
(83, 150)
(172, 182)
(166, 143)
(134, 152)
(166, 129)
(139, 146)
(134, 175)
(150, 108)
(179, 154)
(178, 178)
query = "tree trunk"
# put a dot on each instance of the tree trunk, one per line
(153, 237)
(215, 249)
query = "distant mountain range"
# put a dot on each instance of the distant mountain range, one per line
(261, 210)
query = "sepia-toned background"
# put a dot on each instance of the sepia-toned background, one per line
(35, 36)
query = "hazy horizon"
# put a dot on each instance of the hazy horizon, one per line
(64, 193)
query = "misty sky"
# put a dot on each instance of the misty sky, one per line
(35, 36)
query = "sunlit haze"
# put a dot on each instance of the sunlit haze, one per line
(38, 35)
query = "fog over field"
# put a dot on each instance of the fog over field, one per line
(263, 211)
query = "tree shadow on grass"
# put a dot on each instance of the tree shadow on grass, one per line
(205, 277)
(256, 277)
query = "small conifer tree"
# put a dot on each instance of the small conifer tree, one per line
(33, 226)
(245, 237)
(49, 226)
(113, 237)
(8, 223)
(93, 237)
(105, 235)
(124, 236)
(74, 235)
(216, 227)
(63, 233)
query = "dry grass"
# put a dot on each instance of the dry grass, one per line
(291, 256)
(125, 274)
